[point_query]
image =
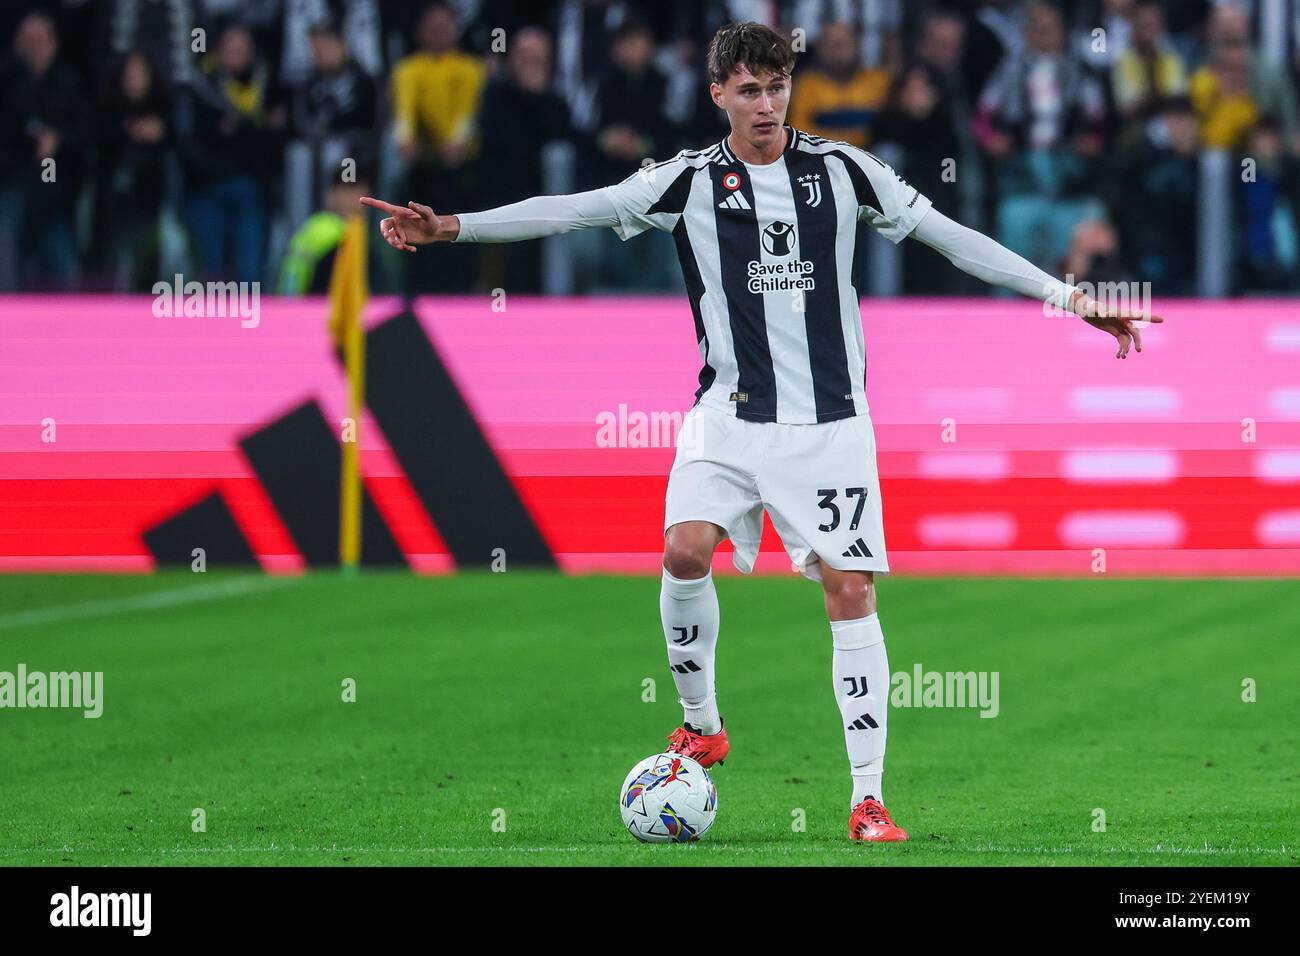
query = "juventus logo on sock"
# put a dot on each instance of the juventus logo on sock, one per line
(684, 640)
(857, 686)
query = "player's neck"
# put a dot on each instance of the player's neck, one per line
(748, 153)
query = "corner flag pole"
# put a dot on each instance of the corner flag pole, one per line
(348, 293)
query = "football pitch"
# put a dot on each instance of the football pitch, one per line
(496, 715)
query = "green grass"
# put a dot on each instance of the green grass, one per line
(523, 692)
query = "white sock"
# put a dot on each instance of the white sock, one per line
(689, 611)
(861, 672)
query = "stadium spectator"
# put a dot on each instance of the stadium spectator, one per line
(1155, 199)
(355, 22)
(1094, 257)
(631, 127)
(876, 27)
(631, 124)
(1269, 212)
(1151, 69)
(928, 115)
(43, 136)
(1235, 87)
(134, 137)
(839, 98)
(230, 150)
(436, 94)
(520, 115)
(928, 110)
(488, 24)
(309, 260)
(337, 98)
(1041, 119)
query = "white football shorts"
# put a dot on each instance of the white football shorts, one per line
(818, 482)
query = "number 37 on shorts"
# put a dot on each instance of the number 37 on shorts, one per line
(827, 501)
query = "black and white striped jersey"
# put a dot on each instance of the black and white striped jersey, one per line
(767, 253)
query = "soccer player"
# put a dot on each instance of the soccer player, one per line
(765, 225)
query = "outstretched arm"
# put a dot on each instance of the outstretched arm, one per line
(639, 202)
(986, 259)
(416, 225)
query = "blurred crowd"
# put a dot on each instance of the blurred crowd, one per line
(141, 136)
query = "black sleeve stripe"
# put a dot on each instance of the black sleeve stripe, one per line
(862, 188)
(823, 141)
(879, 161)
(686, 154)
(673, 199)
(662, 162)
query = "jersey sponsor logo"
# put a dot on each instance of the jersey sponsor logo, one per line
(813, 183)
(778, 238)
(781, 276)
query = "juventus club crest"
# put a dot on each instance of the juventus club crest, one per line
(813, 183)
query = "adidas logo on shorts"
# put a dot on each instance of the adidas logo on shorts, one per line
(858, 549)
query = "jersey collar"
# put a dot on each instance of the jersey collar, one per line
(729, 158)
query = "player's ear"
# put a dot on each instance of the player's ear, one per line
(715, 92)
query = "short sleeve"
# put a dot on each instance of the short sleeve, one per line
(885, 199)
(653, 197)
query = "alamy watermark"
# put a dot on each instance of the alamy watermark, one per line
(208, 300)
(76, 690)
(635, 429)
(922, 688)
(1110, 298)
(130, 910)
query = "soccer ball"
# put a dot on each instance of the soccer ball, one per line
(668, 798)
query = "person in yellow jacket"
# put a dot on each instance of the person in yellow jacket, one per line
(1236, 88)
(1150, 71)
(436, 93)
(839, 99)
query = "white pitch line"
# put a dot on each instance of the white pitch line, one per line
(140, 602)
(762, 848)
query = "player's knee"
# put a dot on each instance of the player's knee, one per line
(686, 561)
(688, 549)
(849, 596)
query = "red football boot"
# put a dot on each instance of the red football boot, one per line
(869, 822)
(704, 749)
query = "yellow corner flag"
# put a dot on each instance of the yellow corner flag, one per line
(348, 295)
